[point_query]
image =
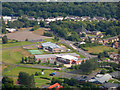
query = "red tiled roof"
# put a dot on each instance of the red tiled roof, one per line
(57, 85)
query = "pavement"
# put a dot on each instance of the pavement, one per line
(79, 50)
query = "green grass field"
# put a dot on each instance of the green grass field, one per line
(99, 49)
(13, 44)
(14, 55)
(39, 80)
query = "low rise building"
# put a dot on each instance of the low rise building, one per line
(10, 30)
(100, 78)
(56, 86)
(59, 18)
(52, 47)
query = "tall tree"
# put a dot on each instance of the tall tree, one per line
(26, 80)
(4, 39)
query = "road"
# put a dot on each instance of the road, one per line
(82, 52)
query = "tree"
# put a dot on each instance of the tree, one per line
(26, 80)
(103, 71)
(55, 63)
(22, 60)
(56, 38)
(26, 39)
(42, 24)
(4, 39)
(66, 86)
(48, 62)
(7, 82)
(39, 61)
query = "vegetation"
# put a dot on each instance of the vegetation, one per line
(4, 39)
(26, 80)
(21, 23)
(100, 49)
(87, 67)
(70, 29)
(7, 82)
(48, 34)
(55, 9)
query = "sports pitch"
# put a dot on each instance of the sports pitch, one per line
(35, 51)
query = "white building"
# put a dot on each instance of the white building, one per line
(10, 30)
(59, 18)
(7, 18)
(50, 19)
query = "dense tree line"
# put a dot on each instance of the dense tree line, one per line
(55, 9)
(68, 29)
(22, 23)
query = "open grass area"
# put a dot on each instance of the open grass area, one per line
(15, 71)
(14, 55)
(99, 49)
(13, 44)
(114, 81)
(39, 31)
(40, 80)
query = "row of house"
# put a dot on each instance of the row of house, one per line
(109, 40)
(9, 18)
(51, 19)
(68, 58)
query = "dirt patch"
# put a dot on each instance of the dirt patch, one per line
(22, 51)
(21, 29)
(39, 31)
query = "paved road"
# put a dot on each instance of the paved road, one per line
(34, 66)
(18, 46)
(82, 52)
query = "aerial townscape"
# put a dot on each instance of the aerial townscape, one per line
(60, 45)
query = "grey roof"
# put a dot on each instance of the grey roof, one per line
(54, 55)
(115, 74)
(51, 45)
(108, 85)
(103, 78)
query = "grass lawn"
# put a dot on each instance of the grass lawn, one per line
(99, 49)
(15, 71)
(114, 81)
(12, 44)
(14, 55)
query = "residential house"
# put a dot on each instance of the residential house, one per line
(14, 19)
(100, 35)
(111, 19)
(100, 78)
(115, 56)
(96, 32)
(112, 39)
(83, 38)
(56, 86)
(10, 30)
(59, 18)
(115, 74)
(98, 18)
(50, 19)
(115, 45)
(7, 18)
(93, 39)
(31, 18)
(85, 18)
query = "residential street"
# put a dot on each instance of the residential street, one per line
(82, 52)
